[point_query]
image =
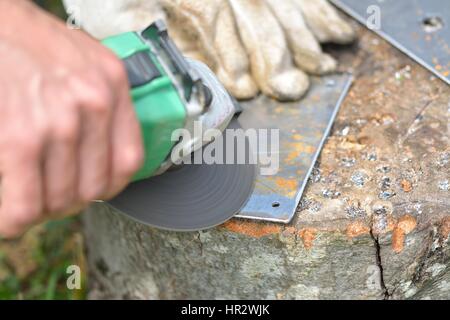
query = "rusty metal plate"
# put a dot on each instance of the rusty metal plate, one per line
(303, 128)
(419, 28)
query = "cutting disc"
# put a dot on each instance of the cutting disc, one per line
(191, 197)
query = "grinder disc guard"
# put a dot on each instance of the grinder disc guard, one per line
(191, 197)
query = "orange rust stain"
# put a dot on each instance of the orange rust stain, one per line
(445, 227)
(308, 236)
(398, 240)
(288, 186)
(406, 185)
(278, 110)
(251, 228)
(297, 149)
(357, 228)
(446, 73)
(292, 156)
(405, 225)
(297, 136)
(286, 183)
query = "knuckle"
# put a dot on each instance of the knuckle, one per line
(131, 161)
(29, 146)
(71, 101)
(91, 92)
(22, 142)
(43, 130)
(138, 159)
(115, 68)
(57, 205)
(100, 101)
(31, 140)
(67, 130)
(93, 192)
(60, 200)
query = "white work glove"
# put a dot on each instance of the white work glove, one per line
(266, 45)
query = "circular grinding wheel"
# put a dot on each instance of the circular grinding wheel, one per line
(192, 197)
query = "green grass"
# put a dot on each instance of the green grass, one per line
(34, 266)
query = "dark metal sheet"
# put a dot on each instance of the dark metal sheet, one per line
(419, 28)
(303, 128)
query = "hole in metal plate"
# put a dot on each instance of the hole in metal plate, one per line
(404, 24)
(275, 204)
(432, 24)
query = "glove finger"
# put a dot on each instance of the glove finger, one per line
(306, 49)
(271, 63)
(325, 23)
(234, 69)
(207, 32)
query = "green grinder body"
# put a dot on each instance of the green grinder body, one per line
(157, 103)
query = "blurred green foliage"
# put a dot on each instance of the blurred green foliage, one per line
(35, 266)
(54, 6)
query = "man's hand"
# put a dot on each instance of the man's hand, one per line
(69, 133)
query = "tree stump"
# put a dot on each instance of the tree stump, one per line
(374, 222)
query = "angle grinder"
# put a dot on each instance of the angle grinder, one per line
(172, 95)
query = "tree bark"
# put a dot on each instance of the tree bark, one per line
(384, 238)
